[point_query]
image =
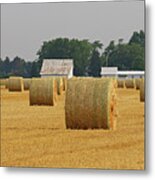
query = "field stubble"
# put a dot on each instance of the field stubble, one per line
(35, 136)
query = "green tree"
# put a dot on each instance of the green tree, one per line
(79, 50)
(95, 64)
(138, 38)
(127, 57)
(110, 48)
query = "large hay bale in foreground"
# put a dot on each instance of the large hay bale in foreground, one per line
(59, 85)
(27, 82)
(90, 104)
(130, 83)
(43, 91)
(120, 83)
(137, 83)
(142, 91)
(15, 84)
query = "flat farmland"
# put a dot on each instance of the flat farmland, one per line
(36, 136)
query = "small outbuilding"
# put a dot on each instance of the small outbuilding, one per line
(57, 67)
(113, 72)
(130, 74)
(109, 71)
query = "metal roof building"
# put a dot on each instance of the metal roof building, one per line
(57, 67)
(130, 74)
(109, 71)
(113, 72)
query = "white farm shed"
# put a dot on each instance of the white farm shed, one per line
(109, 71)
(113, 72)
(130, 74)
(57, 67)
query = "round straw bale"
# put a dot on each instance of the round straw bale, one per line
(59, 85)
(43, 91)
(4, 82)
(64, 83)
(120, 83)
(27, 82)
(15, 84)
(142, 91)
(90, 104)
(130, 83)
(137, 83)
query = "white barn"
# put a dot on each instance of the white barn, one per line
(109, 71)
(113, 72)
(57, 67)
(130, 74)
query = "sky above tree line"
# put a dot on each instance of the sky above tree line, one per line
(24, 27)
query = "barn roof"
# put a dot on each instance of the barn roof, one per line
(130, 72)
(109, 70)
(56, 66)
(114, 71)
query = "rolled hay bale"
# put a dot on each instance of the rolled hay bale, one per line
(64, 79)
(137, 83)
(130, 83)
(142, 91)
(90, 104)
(27, 82)
(43, 91)
(120, 83)
(15, 84)
(4, 82)
(59, 85)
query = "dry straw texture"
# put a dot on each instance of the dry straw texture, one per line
(15, 84)
(90, 103)
(4, 82)
(137, 82)
(43, 91)
(142, 91)
(64, 83)
(120, 83)
(27, 83)
(59, 81)
(130, 83)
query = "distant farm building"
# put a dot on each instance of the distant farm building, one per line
(130, 74)
(113, 72)
(57, 67)
(109, 71)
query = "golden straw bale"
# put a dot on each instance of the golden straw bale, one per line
(15, 84)
(137, 82)
(142, 90)
(59, 85)
(120, 83)
(27, 82)
(64, 83)
(4, 82)
(43, 91)
(90, 104)
(130, 83)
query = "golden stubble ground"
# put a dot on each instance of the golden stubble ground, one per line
(35, 136)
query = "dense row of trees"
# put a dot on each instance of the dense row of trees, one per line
(87, 56)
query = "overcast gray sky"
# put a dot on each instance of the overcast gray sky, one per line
(25, 26)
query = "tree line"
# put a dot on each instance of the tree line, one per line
(88, 57)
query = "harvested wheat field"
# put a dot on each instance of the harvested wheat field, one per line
(36, 136)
